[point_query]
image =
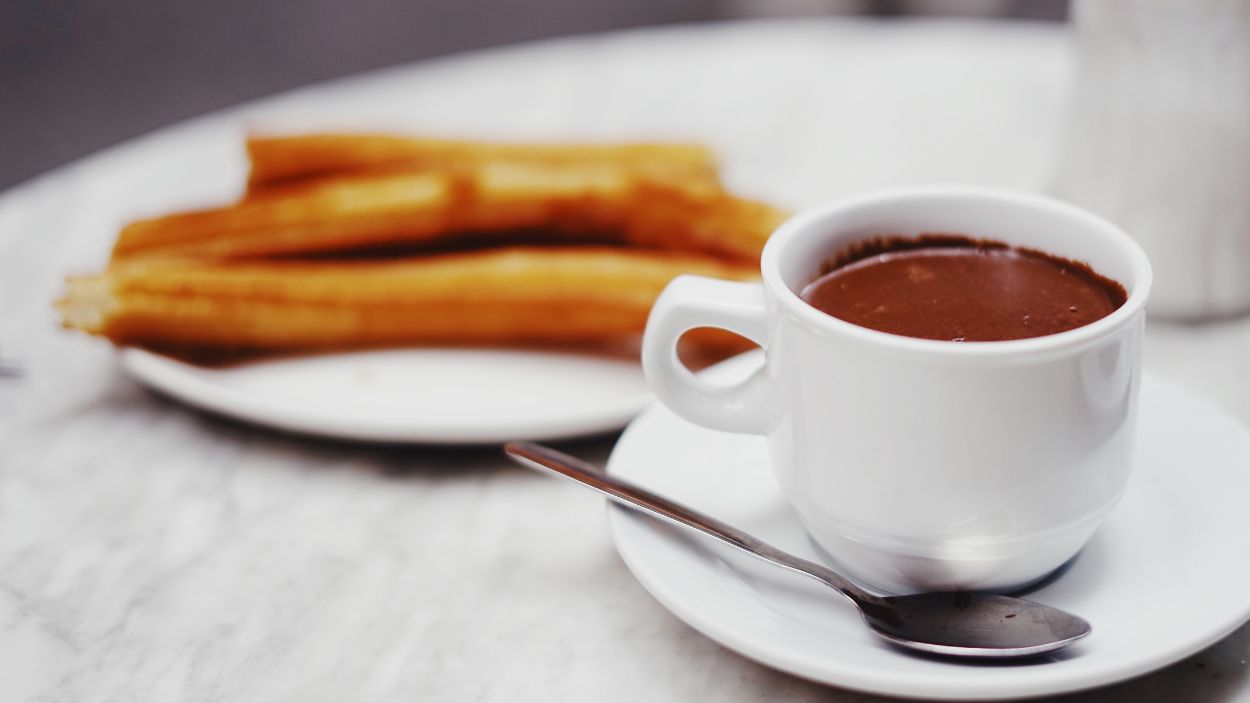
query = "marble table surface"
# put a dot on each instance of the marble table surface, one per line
(151, 552)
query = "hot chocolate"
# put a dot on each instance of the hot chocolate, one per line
(960, 289)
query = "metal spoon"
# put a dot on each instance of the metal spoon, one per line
(953, 624)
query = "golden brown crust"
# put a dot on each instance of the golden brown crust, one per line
(283, 159)
(553, 295)
(325, 216)
(582, 202)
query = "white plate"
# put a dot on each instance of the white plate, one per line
(1166, 576)
(437, 396)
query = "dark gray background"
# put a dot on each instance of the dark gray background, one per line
(79, 75)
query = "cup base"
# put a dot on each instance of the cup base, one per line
(894, 573)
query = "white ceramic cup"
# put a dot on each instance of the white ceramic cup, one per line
(919, 464)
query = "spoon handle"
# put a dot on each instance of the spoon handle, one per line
(545, 458)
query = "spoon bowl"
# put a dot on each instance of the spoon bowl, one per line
(952, 624)
(973, 624)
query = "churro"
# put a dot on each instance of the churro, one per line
(326, 216)
(516, 295)
(591, 203)
(283, 159)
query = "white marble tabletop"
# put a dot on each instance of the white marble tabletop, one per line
(150, 552)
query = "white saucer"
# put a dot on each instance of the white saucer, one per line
(1166, 576)
(435, 396)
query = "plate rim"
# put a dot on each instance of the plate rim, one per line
(167, 376)
(910, 685)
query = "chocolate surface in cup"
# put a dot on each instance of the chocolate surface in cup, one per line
(951, 287)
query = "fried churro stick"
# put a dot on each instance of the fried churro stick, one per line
(589, 203)
(559, 295)
(289, 158)
(339, 214)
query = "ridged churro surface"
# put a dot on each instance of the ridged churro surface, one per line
(279, 159)
(532, 295)
(593, 203)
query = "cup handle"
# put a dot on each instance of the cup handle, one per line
(690, 302)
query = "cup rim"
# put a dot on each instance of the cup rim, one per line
(803, 222)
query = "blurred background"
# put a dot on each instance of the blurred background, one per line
(80, 75)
